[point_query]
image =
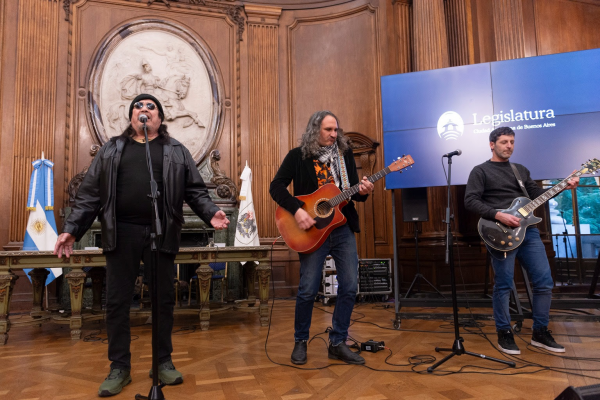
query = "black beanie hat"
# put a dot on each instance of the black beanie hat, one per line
(145, 96)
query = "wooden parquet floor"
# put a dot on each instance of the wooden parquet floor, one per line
(229, 361)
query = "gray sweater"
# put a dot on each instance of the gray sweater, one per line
(492, 186)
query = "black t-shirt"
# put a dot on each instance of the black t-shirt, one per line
(133, 183)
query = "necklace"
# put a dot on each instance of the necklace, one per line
(143, 139)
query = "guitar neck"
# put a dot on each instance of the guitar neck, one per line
(348, 193)
(550, 193)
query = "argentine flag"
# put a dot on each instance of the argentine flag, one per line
(41, 226)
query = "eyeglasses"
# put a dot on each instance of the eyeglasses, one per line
(139, 105)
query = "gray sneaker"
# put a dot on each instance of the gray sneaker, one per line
(167, 374)
(114, 382)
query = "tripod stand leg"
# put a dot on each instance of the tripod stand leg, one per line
(443, 360)
(509, 363)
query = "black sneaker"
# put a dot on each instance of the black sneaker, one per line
(343, 353)
(543, 338)
(299, 353)
(506, 342)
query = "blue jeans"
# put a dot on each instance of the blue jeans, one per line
(532, 256)
(341, 245)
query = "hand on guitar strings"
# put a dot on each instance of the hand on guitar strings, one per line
(304, 220)
(507, 219)
(573, 182)
(365, 186)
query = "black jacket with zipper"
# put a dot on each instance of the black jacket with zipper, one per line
(181, 182)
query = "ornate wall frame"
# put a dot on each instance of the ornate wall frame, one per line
(165, 59)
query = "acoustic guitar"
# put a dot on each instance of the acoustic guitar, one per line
(504, 238)
(324, 206)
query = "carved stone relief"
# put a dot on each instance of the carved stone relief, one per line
(167, 61)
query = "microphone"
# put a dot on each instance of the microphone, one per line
(456, 152)
(143, 118)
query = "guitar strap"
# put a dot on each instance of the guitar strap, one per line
(516, 172)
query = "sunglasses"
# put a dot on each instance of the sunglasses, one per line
(139, 105)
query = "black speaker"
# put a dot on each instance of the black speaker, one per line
(591, 392)
(414, 204)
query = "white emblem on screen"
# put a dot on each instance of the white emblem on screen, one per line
(450, 125)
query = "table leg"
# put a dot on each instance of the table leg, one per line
(264, 277)
(76, 279)
(7, 283)
(38, 282)
(204, 273)
(250, 273)
(97, 274)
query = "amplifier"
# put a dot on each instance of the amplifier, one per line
(374, 276)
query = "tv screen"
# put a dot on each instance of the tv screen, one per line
(551, 102)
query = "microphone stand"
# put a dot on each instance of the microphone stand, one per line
(565, 236)
(457, 347)
(156, 389)
(559, 262)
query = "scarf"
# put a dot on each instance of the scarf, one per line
(331, 156)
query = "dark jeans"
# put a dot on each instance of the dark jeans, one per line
(122, 270)
(532, 256)
(341, 245)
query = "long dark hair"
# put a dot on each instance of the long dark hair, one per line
(309, 143)
(163, 134)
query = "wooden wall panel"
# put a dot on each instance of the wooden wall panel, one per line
(403, 36)
(430, 43)
(508, 28)
(460, 32)
(340, 74)
(563, 26)
(35, 101)
(263, 110)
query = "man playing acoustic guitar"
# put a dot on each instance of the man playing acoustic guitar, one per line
(492, 186)
(323, 157)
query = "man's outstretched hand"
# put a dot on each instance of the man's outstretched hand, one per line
(219, 221)
(64, 245)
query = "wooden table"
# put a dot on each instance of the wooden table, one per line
(40, 260)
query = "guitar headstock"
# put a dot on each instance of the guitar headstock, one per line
(401, 163)
(590, 166)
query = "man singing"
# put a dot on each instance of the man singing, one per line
(492, 186)
(116, 188)
(324, 156)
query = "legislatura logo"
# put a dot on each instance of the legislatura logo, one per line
(512, 116)
(450, 125)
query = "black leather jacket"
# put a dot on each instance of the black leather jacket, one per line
(96, 195)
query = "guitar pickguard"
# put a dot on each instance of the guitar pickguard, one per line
(324, 222)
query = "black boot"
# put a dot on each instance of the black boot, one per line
(299, 353)
(343, 353)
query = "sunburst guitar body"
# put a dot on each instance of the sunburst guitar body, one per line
(324, 205)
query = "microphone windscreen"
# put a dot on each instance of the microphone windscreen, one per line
(142, 118)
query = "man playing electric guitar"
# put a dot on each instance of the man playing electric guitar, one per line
(323, 157)
(492, 186)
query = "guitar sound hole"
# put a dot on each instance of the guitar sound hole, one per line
(322, 209)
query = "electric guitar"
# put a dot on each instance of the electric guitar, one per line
(324, 206)
(504, 238)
